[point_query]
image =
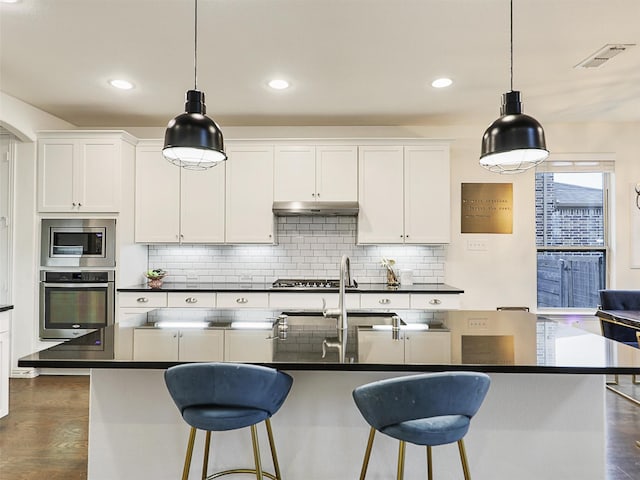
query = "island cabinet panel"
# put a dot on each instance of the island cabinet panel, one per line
(427, 347)
(249, 194)
(378, 346)
(316, 173)
(243, 300)
(427, 301)
(189, 345)
(384, 300)
(248, 346)
(80, 172)
(143, 299)
(404, 194)
(191, 299)
(311, 301)
(175, 205)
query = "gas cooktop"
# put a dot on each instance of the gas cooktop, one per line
(309, 283)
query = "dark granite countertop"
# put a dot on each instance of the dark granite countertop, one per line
(488, 341)
(4, 308)
(266, 287)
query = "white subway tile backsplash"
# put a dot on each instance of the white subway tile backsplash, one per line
(308, 247)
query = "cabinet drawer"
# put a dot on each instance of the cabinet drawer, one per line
(311, 301)
(243, 300)
(384, 300)
(143, 299)
(192, 299)
(447, 301)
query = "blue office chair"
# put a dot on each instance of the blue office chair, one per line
(227, 396)
(428, 409)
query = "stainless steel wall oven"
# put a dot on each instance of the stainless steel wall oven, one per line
(74, 303)
(78, 242)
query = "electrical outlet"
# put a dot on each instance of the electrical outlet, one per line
(192, 276)
(477, 245)
(477, 323)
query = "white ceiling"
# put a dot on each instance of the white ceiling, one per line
(350, 62)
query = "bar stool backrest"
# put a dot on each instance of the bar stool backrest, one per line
(392, 401)
(227, 384)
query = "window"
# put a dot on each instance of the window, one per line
(571, 232)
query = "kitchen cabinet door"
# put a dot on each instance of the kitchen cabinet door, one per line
(79, 173)
(294, 173)
(336, 173)
(155, 344)
(427, 347)
(249, 194)
(248, 346)
(379, 347)
(198, 345)
(427, 200)
(380, 194)
(202, 197)
(157, 197)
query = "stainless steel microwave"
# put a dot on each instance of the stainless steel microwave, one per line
(78, 242)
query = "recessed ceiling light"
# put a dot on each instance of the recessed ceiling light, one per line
(278, 84)
(121, 84)
(441, 82)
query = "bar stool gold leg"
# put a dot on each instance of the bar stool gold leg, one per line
(367, 454)
(187, 458)
(463, 459)
(429, 463)
(272, 446)
(256, 451)
(205, 462)
(401, 460)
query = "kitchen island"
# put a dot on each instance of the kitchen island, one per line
(543, 416)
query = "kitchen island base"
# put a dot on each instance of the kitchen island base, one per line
(530, 426)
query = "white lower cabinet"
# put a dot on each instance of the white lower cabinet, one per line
(248, 346)
(159, 344)
(378, 346)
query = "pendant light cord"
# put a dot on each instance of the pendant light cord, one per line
(195, 47)
(510, 42)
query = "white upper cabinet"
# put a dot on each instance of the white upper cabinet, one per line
(249, 194)
(81, 171)
(427, 198)
(381, 197)
(316, 173)
(175, 205)
(404, 194)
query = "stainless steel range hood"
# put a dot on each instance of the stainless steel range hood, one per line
(315, 208)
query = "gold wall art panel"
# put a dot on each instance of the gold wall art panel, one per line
(487, 208)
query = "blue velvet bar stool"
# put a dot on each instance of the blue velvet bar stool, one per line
(216, 397)
(428, 409)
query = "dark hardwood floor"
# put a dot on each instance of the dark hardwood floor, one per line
(45, 435)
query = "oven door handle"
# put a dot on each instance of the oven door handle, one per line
(77, 285)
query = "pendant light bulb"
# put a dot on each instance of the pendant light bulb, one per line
(193, 140)
(515, 142)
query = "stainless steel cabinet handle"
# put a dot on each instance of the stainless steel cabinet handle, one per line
(242, 300)
(142, 300)
(435, 301)
(191, 300)
(384, 301)
(73, 204)
(313, 194)
(79, 204)
(317, 194)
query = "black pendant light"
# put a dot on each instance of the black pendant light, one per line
(193, 140)
(515, 141)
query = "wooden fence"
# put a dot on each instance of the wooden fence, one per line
(570, 280)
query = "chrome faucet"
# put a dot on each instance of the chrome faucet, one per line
(340, 313)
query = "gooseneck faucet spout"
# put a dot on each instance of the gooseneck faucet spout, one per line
(340, 313)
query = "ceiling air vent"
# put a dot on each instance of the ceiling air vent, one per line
(603, 55)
